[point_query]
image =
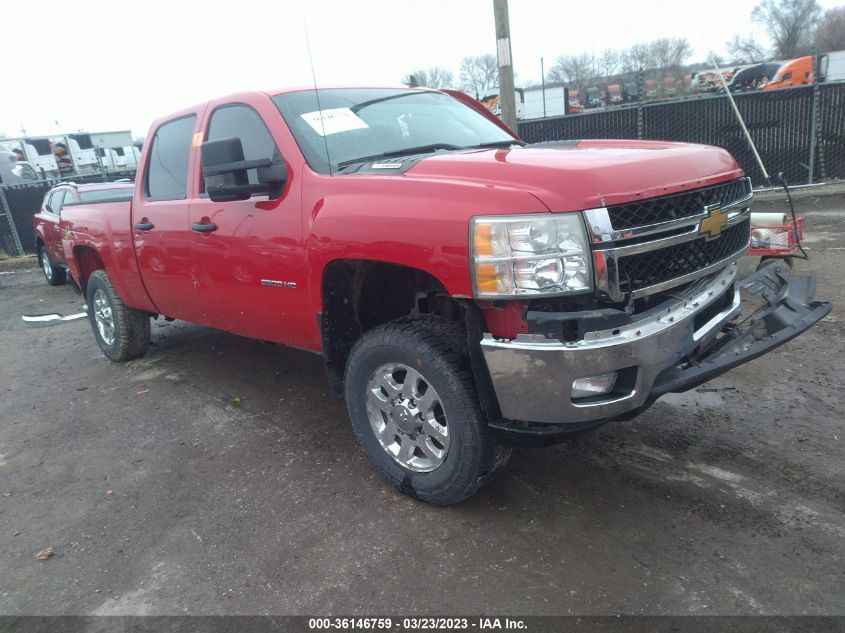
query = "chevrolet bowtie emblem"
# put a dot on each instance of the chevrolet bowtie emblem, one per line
(712, 225)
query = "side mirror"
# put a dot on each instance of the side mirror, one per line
(226, 172)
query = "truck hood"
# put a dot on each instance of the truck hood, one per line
(576, 175)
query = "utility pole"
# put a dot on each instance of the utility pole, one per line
(507, 93)
(543, 85)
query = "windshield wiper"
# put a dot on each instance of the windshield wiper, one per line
(365, 104)
(422, 149)
(497, 144)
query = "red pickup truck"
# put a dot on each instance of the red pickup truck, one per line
(45, 223)
(467, 291)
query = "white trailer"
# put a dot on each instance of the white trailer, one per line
(555, 102)
(833, 66)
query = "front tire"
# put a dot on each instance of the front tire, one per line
(122, 332)
(414, 409)
(55, 275)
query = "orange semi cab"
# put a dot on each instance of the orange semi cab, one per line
(797, 72)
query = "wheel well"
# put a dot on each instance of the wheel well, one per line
(358, 295)
(87, 260)
(38, 244)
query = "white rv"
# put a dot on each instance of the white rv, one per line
(115, 150)
(38, 152)
(81, 151)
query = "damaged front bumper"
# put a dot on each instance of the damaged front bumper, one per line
(687, 340)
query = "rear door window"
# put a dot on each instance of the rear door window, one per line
(54, 202)
(167, 169)
(64, 197)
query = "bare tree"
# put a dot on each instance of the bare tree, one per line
(435, 77)
(638, 57)
(714, 57)
(576, 70)
(479, 73)
(680, 52)
(830, 35)
(667, 54)
(746, 50)
(609, 62)
(670, 53)
(662, 52)
(790, 24)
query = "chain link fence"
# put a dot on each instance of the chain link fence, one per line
(829, 161)
(798, 131)
(10, 241)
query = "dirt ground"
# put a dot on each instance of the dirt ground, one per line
(162, 495)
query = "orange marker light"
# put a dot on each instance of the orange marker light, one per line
(486, 278)
(483, 240)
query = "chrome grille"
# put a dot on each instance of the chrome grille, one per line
(651, 268)
(679, 205)
(668, 246)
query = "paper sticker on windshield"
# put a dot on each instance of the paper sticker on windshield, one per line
(333, 121)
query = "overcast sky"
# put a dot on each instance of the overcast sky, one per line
(102, 65)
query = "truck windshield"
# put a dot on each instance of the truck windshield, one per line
(363, 124)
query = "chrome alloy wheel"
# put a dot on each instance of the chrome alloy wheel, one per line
(407, 416)
(103, 316)
(46, 266)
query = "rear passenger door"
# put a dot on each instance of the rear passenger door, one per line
(160, 227)
(250, 267)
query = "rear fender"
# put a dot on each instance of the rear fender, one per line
(86, 256)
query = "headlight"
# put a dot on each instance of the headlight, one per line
(530, 255)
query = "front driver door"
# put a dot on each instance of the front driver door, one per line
(250, 267)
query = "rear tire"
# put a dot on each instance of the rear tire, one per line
(414, 409)
(121, 332)
(55, 275)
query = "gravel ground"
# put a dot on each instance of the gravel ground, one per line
(161, 494)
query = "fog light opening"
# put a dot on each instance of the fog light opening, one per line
(593, 385)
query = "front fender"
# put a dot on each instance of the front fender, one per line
(414, 222)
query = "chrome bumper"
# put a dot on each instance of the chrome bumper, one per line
(532, 375)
